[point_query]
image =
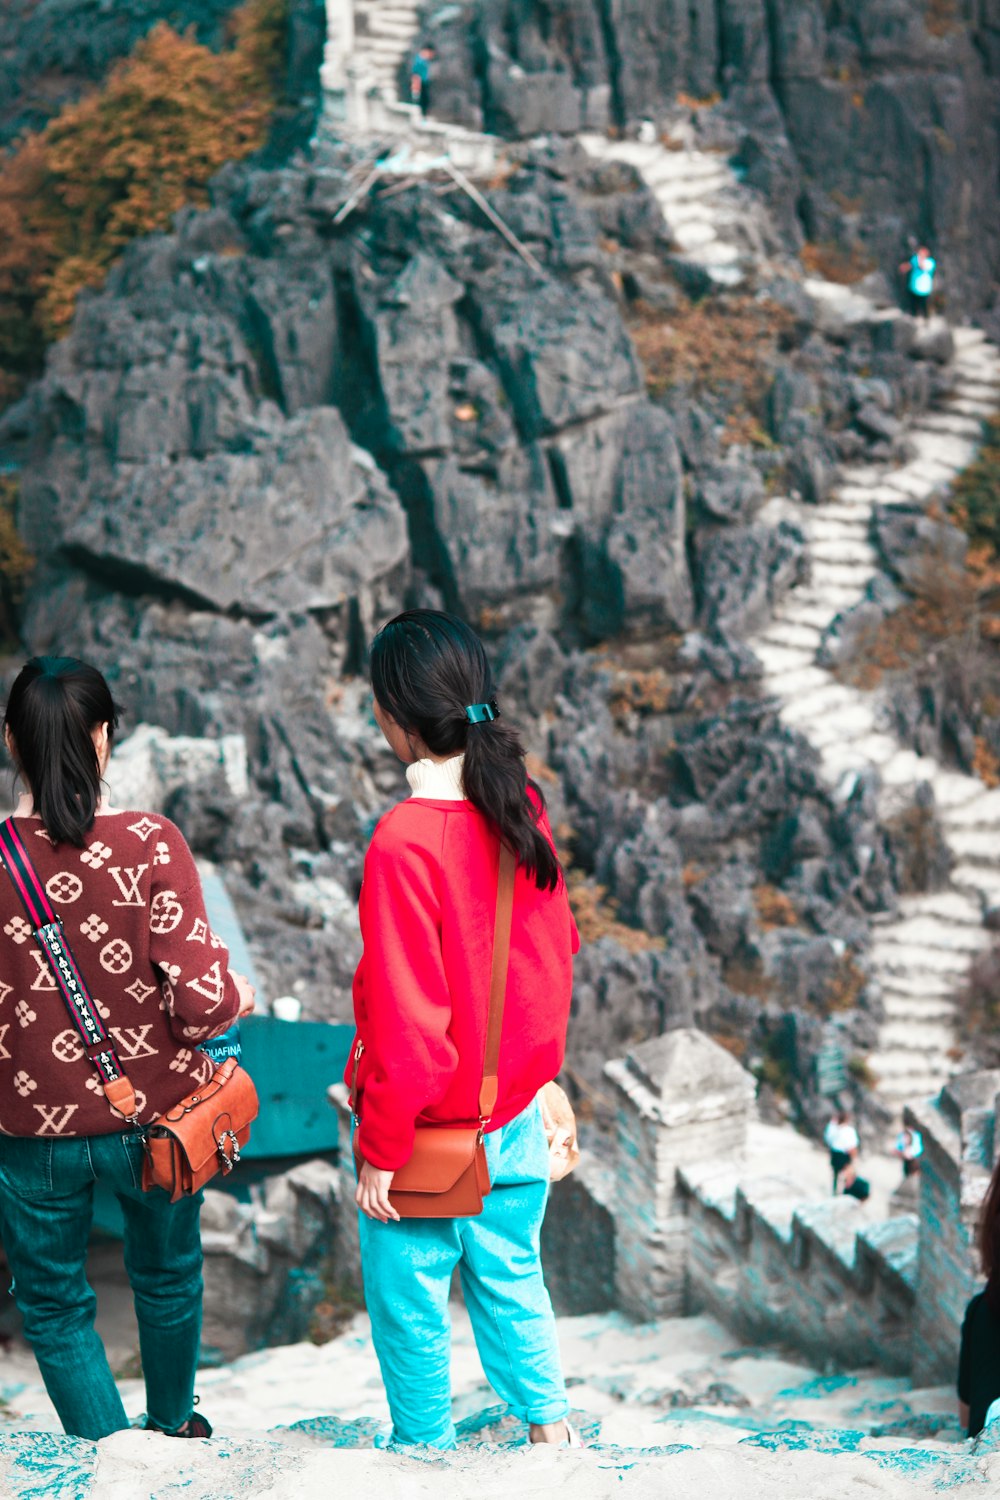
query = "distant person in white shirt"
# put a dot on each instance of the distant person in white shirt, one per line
(844, 1144)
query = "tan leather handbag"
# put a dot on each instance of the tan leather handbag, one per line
(202, 1135)
(446, 1176)
(188, 1144)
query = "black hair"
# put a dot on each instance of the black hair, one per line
(989, 1240)
(54, 706)
(426, 667)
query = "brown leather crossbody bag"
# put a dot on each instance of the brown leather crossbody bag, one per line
(446, 1176)
(196, 1138)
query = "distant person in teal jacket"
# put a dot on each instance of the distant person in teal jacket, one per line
(920, 269)
(420, 77)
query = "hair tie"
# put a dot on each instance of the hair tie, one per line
(482, 713)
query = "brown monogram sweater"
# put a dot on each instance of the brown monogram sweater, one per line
(133, 910)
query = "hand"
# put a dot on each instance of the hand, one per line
(372, 1193)
(246, 992)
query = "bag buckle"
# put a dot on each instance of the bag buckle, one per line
(227, 1161)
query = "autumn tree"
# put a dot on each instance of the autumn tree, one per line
(120, 163)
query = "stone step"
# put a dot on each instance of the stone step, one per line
(955, 452)
(851, 725)
(918, 984)
(918, 1008)
(842, 572)
(716, 255)
(976, 846)
(797, 610)
(692, 236)
(824, 526)
(949, 964)
(856, 497)
(980, 385)
(953, 789)
(911, 485)
(862, 475)
(942, 421)
(777, 660)
(908, 1088)
(931, 931)
(967, 337)
(832, 597)
(665, 167)
(849, 551)
(935, 471)
(872, 749)
(981, 812)
(692, 211)
(907, 768)
(930, 1037)
(786, 634)
(980, 882)
(949, 906)
(896, 1064)
(972, 407)
(830, 698)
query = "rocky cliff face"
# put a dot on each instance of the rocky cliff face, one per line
(864, 120)
(269, 433)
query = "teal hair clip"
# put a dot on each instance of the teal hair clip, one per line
(482, 713)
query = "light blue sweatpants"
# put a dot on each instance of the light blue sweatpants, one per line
(407, 1271)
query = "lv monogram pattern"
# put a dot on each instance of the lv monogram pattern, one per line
(133, 912)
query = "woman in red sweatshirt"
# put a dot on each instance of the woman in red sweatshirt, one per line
(421, 993)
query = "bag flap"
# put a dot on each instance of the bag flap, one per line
(440, 1157)
(229, 1104)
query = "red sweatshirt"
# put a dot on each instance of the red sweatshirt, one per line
(421, 991)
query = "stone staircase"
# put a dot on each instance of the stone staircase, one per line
(385, 35)
(369, 46)
(921, 957)
(718, 227)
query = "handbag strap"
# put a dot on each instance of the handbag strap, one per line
(50, 936)
(498, 984)
(489, 1087)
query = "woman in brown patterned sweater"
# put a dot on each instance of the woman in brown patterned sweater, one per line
(128, 893)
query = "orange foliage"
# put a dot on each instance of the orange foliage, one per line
(120, 163)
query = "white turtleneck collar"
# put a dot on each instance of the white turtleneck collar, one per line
(437, 779)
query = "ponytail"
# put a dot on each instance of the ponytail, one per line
(989, 1240)
(54, 706)
(426, 669)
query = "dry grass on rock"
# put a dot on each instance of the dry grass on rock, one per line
(723, 344)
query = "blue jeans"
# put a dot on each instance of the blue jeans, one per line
(407, 1271)
(46, 1207)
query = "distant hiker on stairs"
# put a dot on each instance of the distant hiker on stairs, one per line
(920, 270)
(420, 77)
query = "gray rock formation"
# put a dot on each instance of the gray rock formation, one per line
(861, 122)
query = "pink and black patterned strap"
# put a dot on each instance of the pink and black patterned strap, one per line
(51, 938)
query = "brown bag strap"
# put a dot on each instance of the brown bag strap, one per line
(498, 984)
(498, 994)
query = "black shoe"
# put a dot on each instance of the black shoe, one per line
(196, 1426)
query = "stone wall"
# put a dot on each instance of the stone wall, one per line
(814, 1276)
(959, 1151)
(695, 1230)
